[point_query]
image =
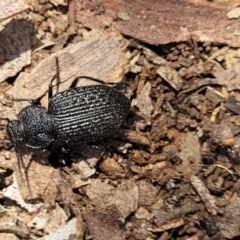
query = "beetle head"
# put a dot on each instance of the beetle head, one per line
(15, 132)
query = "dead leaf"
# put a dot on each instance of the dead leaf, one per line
(101, 58)
(9, 8)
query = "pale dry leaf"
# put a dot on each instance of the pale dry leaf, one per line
(12, 192)
(126, 198)
(102, 58)
(143, 213)
(38, 182)
(99, 192)
(73, 228)
(228, 77)
(234, 13)
(144, 102)
(190, 153)
(8, 8)
(84, 170)
(49, 221)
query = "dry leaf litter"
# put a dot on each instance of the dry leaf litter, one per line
(171, 172)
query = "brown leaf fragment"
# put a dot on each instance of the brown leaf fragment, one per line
(138, 157)
(104, 223)
(171, 76)
(62, 179)
(125, 196)
(208, 200)
(12, 192)
(190, 153)
(144, 102)
(222, 134)
(215, 96)
(152, 56)
(111, 168)
(172, 224)
(143, 213)
(9, 8)
(229, 77)
(36, 182)
(171, 151)
(8, 216)
(102, 58)
(99, 192)
(136, 137)
(229, 225)
(19, 91)
(147, 193)
(84, 171)
(162, 217)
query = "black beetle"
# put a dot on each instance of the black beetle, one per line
(78, 115)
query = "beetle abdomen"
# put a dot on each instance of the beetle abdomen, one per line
(87, 114)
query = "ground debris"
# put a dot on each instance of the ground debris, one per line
(190, 153)
(111, 168)
(71, 230)
(159, 27)
(207, 198)
(12, 192)
(125, 196)
(171, 76)
(162, 217)
(172, 171)
(104, 223)
(230, 222)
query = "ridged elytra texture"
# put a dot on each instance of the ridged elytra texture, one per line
(87, 114)
(78, 115)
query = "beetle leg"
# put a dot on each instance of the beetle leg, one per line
(57, 76)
